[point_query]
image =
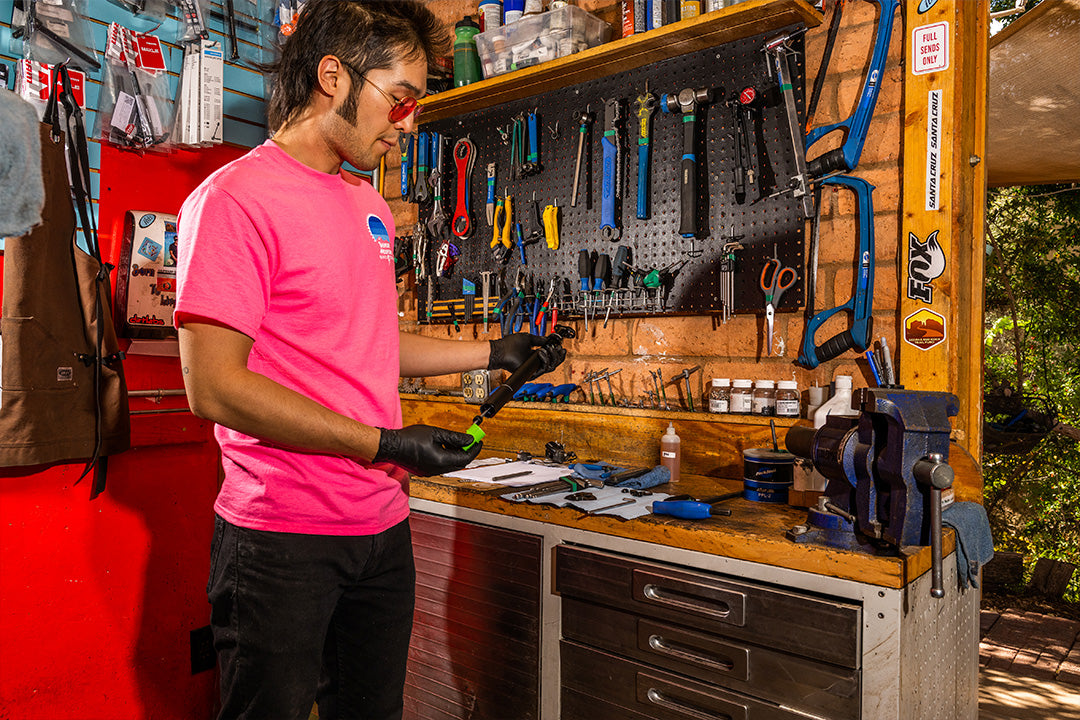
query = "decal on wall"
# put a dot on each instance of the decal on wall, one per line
(930, 48)
(925, 5)
(924, 329)
(926, 262)
(933, 149)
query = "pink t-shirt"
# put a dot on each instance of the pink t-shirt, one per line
(303, 263)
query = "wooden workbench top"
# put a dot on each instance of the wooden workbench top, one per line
(712, 447)
(753, 532)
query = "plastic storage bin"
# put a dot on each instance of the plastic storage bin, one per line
(538, 38)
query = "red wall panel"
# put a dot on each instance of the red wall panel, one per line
(97, 599)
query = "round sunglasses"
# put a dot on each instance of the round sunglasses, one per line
(399, 109)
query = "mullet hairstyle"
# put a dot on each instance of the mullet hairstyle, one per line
(366, 34)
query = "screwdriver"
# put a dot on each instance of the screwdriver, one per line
(601, 271)
(689, 509)
(585, 269)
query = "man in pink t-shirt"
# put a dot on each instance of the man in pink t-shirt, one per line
(287, 316)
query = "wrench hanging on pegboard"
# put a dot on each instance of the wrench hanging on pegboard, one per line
(742, 160)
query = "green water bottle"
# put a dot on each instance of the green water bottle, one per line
(466, 59)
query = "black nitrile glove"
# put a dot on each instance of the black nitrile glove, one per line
(425, 450)
(510, 352)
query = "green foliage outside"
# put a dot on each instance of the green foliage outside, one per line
(1032, 347)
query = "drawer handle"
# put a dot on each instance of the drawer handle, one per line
(718, 608)
(658, 698)
(679, 652)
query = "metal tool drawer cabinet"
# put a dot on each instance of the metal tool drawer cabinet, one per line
(691, 642)
(475, 650)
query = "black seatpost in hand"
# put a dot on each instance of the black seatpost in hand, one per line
(505, 392)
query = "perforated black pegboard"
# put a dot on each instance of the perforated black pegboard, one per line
(759, 224)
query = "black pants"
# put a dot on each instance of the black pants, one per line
(303, 617)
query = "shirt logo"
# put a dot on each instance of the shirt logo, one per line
(381, 235)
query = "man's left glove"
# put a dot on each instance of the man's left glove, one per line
(425, 450)
(510, 352)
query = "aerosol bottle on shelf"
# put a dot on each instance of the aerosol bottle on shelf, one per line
(671, 451)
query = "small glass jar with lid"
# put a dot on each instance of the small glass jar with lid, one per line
(720, 396)
(763, 401)
(787, 399)
(741, 397)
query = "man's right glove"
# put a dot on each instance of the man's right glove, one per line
(510, 352)
(424, 450)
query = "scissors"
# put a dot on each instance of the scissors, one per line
(774, 289)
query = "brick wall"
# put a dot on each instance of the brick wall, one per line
(735, 349)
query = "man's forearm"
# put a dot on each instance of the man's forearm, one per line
(255, 405)
(425, 356)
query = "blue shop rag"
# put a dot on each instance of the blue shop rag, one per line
(594, 471)
(657, 476)
(974, 545)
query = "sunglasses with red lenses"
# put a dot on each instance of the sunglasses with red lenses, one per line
(399, 109)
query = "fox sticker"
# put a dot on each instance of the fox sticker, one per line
(926, 262)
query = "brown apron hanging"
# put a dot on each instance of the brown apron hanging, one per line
(63, 391)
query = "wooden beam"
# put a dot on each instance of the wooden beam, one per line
(941, 239)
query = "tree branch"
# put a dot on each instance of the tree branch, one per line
(1070, 431)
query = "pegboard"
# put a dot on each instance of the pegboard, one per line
(760, 223)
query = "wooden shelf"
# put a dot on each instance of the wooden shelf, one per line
(705, 31)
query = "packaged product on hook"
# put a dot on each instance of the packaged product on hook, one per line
(194, 17)
(156, 10)
(54, 31)
(135, 107)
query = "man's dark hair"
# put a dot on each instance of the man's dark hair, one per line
(365, 34)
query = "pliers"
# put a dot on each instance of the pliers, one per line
(503, 213)
(548, 307)
(511, 310)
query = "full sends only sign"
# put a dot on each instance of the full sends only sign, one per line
(930, 48)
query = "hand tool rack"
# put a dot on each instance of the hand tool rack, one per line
(760, 224)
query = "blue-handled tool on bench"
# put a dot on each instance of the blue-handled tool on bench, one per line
(688, 508)
(857, 337)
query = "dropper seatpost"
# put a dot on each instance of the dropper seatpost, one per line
(505, 392)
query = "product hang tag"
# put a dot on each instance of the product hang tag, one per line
(123, 116)
(149, 55)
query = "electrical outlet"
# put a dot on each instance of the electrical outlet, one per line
(203, 656)
(475, 386)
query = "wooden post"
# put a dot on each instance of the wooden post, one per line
(944, 181)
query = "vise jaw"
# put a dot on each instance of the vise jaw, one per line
(886, 470)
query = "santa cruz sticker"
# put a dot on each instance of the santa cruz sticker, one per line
(381, 236)
(926, 262)
(924, 329)
(933, 149)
